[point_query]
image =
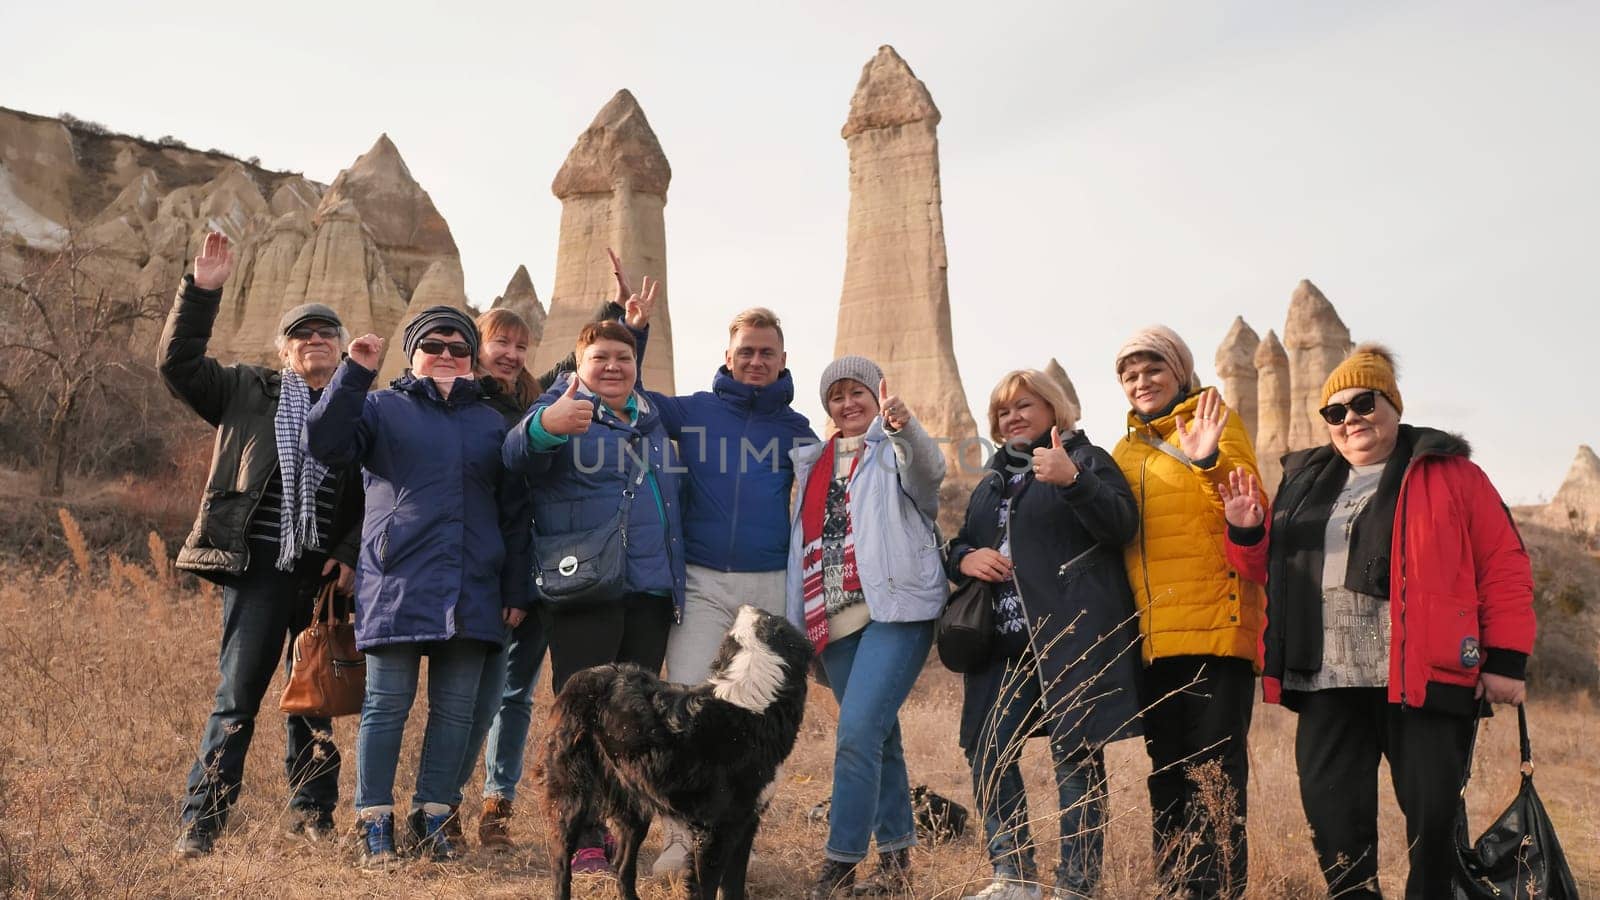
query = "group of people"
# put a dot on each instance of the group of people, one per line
(1383, 596)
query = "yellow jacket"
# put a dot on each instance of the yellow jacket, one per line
(1191, 601)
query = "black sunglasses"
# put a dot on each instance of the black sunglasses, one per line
(305, 333)
(435, 347)
(1361, 404)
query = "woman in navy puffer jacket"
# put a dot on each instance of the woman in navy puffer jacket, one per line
(443, 564)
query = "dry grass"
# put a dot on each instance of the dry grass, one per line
(106, 679)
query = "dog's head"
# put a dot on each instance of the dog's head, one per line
(761, 656)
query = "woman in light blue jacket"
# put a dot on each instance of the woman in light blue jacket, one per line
(866, 583)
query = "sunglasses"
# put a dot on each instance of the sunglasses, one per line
(434, 347)
(1361, 404)
(306, 333)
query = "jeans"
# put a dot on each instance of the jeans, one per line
(1003, 802)
(454, 669)
(871, 672)
(260, 609)
(504, 710)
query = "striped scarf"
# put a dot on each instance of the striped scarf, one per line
(302, 474)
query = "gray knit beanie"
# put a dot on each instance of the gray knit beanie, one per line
(855, 368)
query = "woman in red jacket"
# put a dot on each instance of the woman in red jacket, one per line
(1399, 596)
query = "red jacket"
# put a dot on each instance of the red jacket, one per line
(1460, 582)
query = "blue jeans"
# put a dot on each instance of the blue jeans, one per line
(504, 710)
(1003, 802)
(871, 672)
(454, 670)
(262, 609)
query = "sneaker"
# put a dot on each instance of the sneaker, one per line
(675, 855)
(834, 880)
(494, 826)
(195, 842)
(315, 825)
(430, 833)
(376, 836)
(591, 861)
(892, 877)
(1003, 888)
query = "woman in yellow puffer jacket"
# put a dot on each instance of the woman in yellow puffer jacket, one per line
(1201, 621)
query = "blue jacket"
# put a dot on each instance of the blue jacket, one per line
(445, 543)
(735, 441)
(578, 484)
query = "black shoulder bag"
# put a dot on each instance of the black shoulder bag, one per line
(585, 568)
(964, 634)
(1518, 856)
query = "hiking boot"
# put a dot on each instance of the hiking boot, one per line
(315, 825)
(675, 855)
(452, 828)
(835, 880)
(376, 837)
(494, 825)
(430, 833)
(195, 842)
(592, 861)
(892, 878)
(1003, 888)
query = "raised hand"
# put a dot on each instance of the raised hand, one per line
(366, 351)
(1243, 504)
(215, 262)
(986, 564)
(640, 306)
(1051, 464)
(570, 414)
(623, 291)
(891, 407)
(1198, 439)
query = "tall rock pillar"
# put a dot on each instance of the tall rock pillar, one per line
(613, 190)
(1272, 410)
(895, 307)
(1236, 367)
(1317, 341)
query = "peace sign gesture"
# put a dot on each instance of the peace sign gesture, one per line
(639, 307)
(1199, 438)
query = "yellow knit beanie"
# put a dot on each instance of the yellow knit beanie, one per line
(1368, 366)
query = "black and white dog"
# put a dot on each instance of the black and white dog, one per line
(624, 746)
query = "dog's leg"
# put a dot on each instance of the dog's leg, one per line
(630, 831)
(738, 860)
(710, 860)
(565, 830)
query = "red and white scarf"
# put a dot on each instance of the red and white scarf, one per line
(813, 513)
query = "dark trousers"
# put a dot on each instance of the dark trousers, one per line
(1340, 737)
(1195, 735)
(262, 611)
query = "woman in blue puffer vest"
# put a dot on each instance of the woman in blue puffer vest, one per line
(443, 564)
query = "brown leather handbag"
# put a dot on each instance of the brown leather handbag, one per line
(329, 677)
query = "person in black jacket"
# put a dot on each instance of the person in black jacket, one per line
(273, 526)
(1045, 526)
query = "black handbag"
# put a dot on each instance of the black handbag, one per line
(965, 631)
(584, 568)
(1518, 856)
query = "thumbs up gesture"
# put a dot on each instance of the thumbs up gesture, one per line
(570, 414)
(1052, 465)
(894, 412)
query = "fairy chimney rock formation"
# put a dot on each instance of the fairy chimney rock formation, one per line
(1317, 341)
(1576, 506)
(1272, 419)
(443, 284)
(895, 305)
(1055, 370)
(265, 265)
(522, 299)
(405, 225)
(613, 189)
(341, 266)
(1236, 369)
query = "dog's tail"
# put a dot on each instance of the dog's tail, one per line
(570, 763)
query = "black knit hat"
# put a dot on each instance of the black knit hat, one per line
(438, 318)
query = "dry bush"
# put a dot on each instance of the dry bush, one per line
(102, 705)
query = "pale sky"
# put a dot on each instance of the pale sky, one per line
(1431, 166)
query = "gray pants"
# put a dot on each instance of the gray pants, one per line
(711, 602)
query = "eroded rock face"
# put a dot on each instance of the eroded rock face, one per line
(1055, 370)
(613, 188)
(521, 298)
(1272, 419)
(1317, 341)
(1576, 506)
(263, 273)
(341, 266)
(1236, 369)
(895, 306)
(405, 225)
(37, 168)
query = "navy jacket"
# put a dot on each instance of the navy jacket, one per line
(735, 441)
(578, 486)
(445, 543)
(1081, 619)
